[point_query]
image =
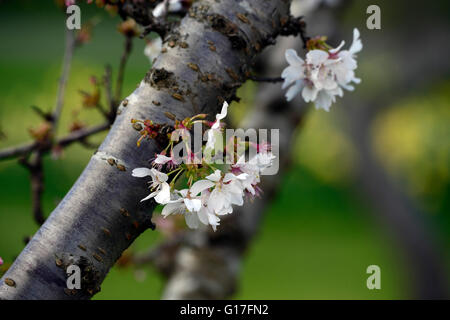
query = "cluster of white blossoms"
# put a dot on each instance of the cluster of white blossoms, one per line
(323, 74)
(211, 192)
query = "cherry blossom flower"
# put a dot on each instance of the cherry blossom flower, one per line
(227, 191)
(190, 204)
(205, 215)
(159, 185)
(153, 48)
(209, 195)
(323, 75)
(346, 64)
(253, 175)
(1, 261)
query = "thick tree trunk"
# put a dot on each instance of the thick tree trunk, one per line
(207, 57)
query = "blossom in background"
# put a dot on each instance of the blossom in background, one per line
(211, 192)
(1, 261)
(323, 74)
(153, 48)
(170, 6)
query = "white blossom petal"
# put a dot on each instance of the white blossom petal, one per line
(357, 43)
(192, 220)
(215, 176)
(163, 195)
(151, 195)
(294, 90)
(201, 185)
(173, 208)
(309, 93)
(292, 58)
(193, 205)
(316, 57)
(162, 159)
(141, 172)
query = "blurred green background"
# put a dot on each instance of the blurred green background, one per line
(317, 239)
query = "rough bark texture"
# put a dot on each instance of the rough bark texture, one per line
(206, 58)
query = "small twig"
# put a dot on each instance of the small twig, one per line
(14, 152)
(68, 54)
(123, 62)
(107, 82)
(266, 79)
(82, 134)
(75, 136)
(34, 166)
(47, 116)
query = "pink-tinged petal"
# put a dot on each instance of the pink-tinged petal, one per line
(292, 58)
(141, 172)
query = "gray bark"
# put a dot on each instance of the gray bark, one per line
(102, 215)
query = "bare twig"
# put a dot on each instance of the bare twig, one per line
(123, 62)
(76, 136)
(107, 82)
(68, 54)
(266, 79)
(34, 166)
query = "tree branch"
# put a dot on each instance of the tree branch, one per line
(87, 228)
